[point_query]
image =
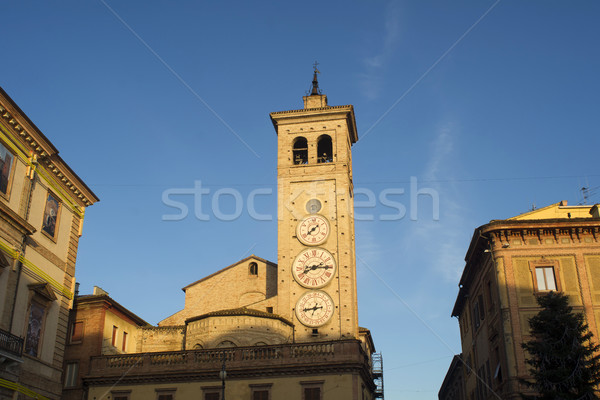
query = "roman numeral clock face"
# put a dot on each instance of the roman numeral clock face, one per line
(314, 308)
(313, 268)
(313, 230)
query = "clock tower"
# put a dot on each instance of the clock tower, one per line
(316, 254)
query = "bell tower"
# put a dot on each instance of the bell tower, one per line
(316, 254)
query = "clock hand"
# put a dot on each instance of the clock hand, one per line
(312, 229)
(312, 267)
(313, 309)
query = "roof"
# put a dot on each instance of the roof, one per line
(98, 298)
(228, 267)
(343, 111)
(240, 312)
(558, 210)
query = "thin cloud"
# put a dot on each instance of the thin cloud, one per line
(371, 82)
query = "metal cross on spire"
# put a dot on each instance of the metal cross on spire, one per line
(315, 83)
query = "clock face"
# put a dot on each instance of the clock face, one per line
(313, 268)
(313, 230)
(314, 308)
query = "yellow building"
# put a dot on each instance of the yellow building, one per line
(42, 205)
(508, 263)
(279, 330)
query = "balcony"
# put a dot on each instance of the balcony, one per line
(10, 344)
(242, 362)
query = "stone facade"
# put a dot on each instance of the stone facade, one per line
(509, 263)
(249, 317)
(98, 325)
(42, 206)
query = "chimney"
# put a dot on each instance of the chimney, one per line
(595, 211)
(99, 291)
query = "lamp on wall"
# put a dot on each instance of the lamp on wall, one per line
(223, 375)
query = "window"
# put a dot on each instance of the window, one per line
(121, 395)
(213, 395)
(545, 278)
(226, 344)
(253, 268)
(300, 152)
(270, 310)
(114, 336)
(51, 214)
(71, 373)
(34, 328)
(76, 332)
(6, 169)
(476, 319)
(124, 346)
(260, 395)
(312, 393)
(312, 390)
(165, 394)
(261, 391)
(324, 149)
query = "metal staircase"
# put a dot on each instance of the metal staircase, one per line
(377, 371)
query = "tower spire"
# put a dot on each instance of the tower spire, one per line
(315, 83)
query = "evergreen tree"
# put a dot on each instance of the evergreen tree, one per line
(564, 362)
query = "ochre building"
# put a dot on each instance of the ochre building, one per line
(42, 205)
(509, 262)
(285, 330)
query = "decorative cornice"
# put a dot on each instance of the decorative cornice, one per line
(36, 141)
(240, 312)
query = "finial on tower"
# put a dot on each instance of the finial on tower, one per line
(315, 83)
(314, 97)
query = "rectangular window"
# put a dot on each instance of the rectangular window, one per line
(261, 391)
(34, 328)
(312, 393)
(260, 395)
(545, 278)
(165, 394)
(51, 211)
(124, 346)
(475, 318)
(6, 168)
(211, 396)
(76, 332)
(121, 395)
(114, 336)
(71, 373)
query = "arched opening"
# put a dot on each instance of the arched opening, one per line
(198, 346)
(300, 151)
(324, 149)
(253, 268)
(226, 344)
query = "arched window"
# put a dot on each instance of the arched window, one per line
(226, 344)
(198, 346)
(300, 151)
(253, 268)
(324, 149)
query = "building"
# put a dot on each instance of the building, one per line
(508, 263)
(453, 387)
(113, 329)
(42, 206)
(274, 330)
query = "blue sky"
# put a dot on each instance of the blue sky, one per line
(495, 114)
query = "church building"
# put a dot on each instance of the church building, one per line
(258, 329)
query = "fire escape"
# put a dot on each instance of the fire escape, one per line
(377, 370)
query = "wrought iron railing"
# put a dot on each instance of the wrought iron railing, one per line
(10, 343)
